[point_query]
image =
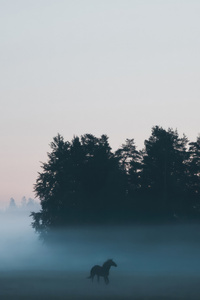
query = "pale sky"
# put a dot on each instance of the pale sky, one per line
(86, 66)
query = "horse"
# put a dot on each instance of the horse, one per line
(102, 271)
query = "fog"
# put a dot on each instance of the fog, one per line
(153, 262)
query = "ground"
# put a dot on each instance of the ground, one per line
(61, 285)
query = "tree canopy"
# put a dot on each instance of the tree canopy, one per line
(84, 181)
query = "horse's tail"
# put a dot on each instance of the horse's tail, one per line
(89, 277)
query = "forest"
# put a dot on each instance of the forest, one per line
(85, 182)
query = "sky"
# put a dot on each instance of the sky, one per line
(86, 66)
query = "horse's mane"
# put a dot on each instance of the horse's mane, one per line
(107, 262)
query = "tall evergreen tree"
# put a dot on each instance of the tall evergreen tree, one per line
(130, 163)
(164, 172)
(133, 166)
(194, 175)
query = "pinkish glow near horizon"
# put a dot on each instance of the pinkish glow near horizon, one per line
(76, 67)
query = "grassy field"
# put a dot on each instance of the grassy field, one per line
(61, 285)
(153, 262)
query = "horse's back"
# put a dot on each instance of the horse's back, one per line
(95, 270)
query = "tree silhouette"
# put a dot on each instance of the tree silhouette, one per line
(130, 164)
(193, 182)
(12, 204)
(84, 182)
(164, 171)
(80, 183)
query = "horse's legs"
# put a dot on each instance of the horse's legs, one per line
(98, 278)
(106, 279)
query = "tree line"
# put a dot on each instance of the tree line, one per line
(85, 182)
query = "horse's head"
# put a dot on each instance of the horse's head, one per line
(112, 263)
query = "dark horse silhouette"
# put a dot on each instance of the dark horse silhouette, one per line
(102, 271)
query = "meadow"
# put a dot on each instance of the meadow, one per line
(154, 262)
